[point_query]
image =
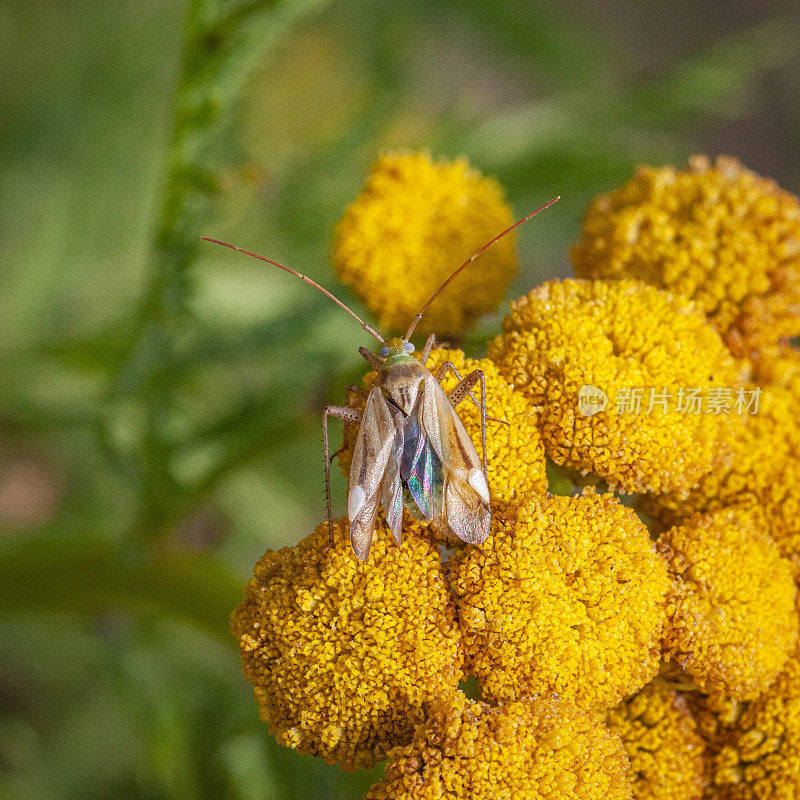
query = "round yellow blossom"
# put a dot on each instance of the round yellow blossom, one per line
(731, 618)
(572, 341)
(662, 742)
(755, 746)
(719, 234)
(762, 468)
(545, 749)
(567, 595)
(515, 453)
(413, 224)
(343, 653)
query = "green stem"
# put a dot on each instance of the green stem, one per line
(218, 53)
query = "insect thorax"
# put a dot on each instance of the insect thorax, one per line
(400, 379)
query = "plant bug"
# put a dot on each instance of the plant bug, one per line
(411, 448)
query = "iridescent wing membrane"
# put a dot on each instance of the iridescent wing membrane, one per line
(379, 441)
(428, 455)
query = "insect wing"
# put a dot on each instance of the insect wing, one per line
(420, 466)
(374, 443)
(392, 487)
(466, 495)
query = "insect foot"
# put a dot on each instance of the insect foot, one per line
(343, 653)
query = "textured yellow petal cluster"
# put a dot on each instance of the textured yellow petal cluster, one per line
(754, 748)
(343, 653)
(566, 596)
(617, 337)
(514, 449)
(413, 224)
(687, 646)
(716, 233)
(762, 468)
(731, 615)
(661, 739)
(545, 749)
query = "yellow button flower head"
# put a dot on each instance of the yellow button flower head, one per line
(567, 596)
(413, 224)
(343, 653)
(546, 749)
(731, 618)
(763, 468)
(627, 340)
(756, 748)
(662, 742)
(719, 234)
(515, 453)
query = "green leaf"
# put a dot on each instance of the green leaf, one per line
(85, 575)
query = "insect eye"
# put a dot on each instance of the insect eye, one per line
(384, 351)
(408, 347)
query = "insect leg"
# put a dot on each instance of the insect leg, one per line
(348, 415)
(349, 392)
(426, 351)
(373, 359)
(462, 389)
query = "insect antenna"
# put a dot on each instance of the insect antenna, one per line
(469, 261)
(368, 328)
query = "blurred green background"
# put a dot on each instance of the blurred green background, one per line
(160, 398)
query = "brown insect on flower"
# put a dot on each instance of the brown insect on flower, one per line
(411, 448)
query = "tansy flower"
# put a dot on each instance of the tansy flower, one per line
(731, 619)
(567, 595)
(515, 453)
(546, 749)
(762, 468)
(343, 653)
(719, 234)
(413, 224)
(755, 747)
(661, 739)
(647, 351)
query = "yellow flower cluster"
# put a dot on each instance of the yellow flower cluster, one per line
(716, 233)
(616, 337)
(661, 739)
(762, 468)
(569, 609)
(755, 748)
(545, 749)
(731, 615)
(343, 653)
(413, 224)
(514, 449)
(567, 596)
